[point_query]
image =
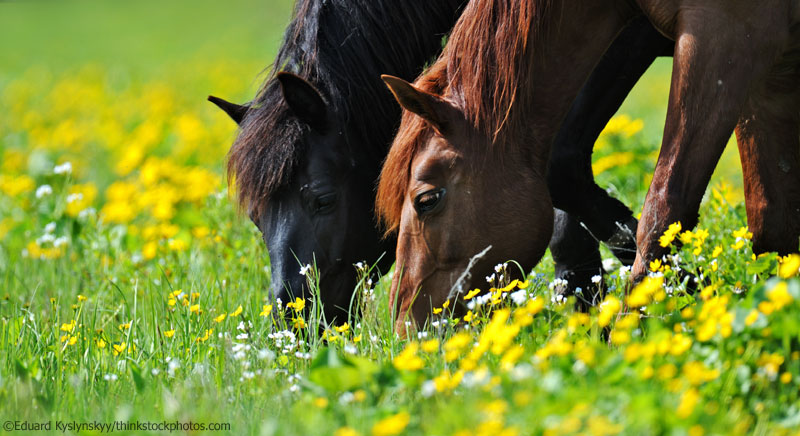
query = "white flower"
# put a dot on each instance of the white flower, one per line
(45, 239)
(50, 228)
(346, 398)
(360, 265)
(304, 270)
(86, 213)
(609, 264)
(110, 377)
(422, 335)
(596, 279)
(490, 279)
(499, 267)
(64, 168)
(71, 198)
(519, 297)
(428, 388)
(61, 240)
(43, 190)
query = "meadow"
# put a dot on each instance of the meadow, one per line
(132, 291)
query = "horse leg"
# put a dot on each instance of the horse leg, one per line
(768, 134)
(716, 60)
(570, 177)
(577, 259)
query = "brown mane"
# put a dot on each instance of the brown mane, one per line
(479, 71)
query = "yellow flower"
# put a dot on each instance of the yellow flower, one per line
(786, 377)
(149, 250)
(220, 318)
(345, 431)
(169, 333)
(742, 233)
(510, 358)
(642, 294)
(697, 373)
(408, 360)
(789, 266)
(125, 326)
(669, 234)
(200, 232)
(613, 160)
(766, 307)
(100, 343)
(620, 337)
(342, 328)
(194, 308)
(16, 185)
(609, 308)
(687, 403)
(266, 310)
(468, 317)
(177, 245)
(392, 425)
(447, 382)
(455, 345)
(430, 346)
(717, 251)
(779, 295)
(752, 317)
(68, 327)
(298, 304)
(299, 323)
(119, 348)
(655, 265)
(471, 294)
(437, 310)
(207, 334)
(81, 298)
(237, 312)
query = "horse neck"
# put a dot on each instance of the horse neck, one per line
(574, 37)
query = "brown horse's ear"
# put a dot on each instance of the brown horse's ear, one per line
(424, 104)
(304, 100)
(235, 111)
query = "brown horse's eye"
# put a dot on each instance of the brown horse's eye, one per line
(428, 201)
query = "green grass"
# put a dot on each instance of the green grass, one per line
(98, 83)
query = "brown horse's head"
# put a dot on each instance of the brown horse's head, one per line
(451, 191)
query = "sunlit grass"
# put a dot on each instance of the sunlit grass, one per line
(132, 290)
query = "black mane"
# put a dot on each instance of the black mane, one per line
(341, 47)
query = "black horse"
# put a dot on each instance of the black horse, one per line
(311, 143)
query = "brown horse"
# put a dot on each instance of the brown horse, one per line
(467, 170)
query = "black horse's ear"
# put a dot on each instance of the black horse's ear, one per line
(304, 100)
(235, 111)
(430, 107)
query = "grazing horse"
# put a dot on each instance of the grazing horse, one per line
(310, 146)
(464, 183)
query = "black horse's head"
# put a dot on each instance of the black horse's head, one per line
(308, 190)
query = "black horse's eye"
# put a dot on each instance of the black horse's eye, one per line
(324, 203)
(428, 201)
